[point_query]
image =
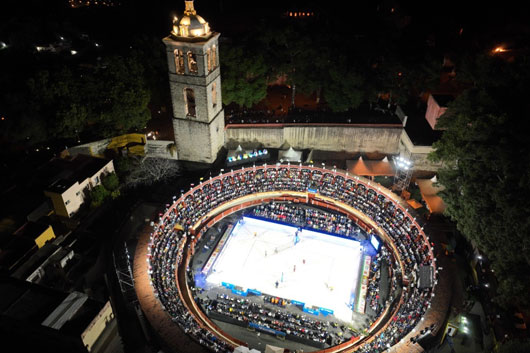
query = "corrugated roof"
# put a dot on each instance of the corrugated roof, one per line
(66, 310)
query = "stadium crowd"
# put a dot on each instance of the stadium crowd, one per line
(308, 217)
(373, 299)
(166, 243)
(297, 325)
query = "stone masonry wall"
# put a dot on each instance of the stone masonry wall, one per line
(349, 138)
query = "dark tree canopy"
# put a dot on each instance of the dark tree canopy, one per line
(487, 169)
(322, 55)
(103, 101)
(244, 79)
(343, 89)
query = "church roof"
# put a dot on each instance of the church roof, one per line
(190, 25)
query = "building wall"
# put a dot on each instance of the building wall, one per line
(200, 82)
(96, 178)
(58, 203)
(197, 138)
(434, 111)
(75, 195)
(69, 202)
(97, 326)
(217, 135)
(198, 141)
(47, 235)
(349, 138)
(417, 154)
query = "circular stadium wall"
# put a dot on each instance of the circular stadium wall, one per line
(162, 258)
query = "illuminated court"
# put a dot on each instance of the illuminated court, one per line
(319, 270)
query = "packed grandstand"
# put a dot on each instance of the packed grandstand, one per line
(341, 204)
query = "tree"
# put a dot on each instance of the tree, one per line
(486, 170)
(148, 171)
(343, 90)
(110, 182)
(244, 76)
(288, 47)
(118, 97)
(97, 195)
(63, 103)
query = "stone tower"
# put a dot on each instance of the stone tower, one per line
(195, 83)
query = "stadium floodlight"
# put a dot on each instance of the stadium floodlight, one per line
(403, 167)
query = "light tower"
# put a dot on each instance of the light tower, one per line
(403, 173)
(195, 82)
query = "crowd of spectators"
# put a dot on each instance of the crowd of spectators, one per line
(164, 253)
(308, 217)
(292, 324)
(373, 299)
(413, 250)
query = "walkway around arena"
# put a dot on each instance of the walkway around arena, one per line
(160, 321)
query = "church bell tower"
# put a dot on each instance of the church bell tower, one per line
(195, 82)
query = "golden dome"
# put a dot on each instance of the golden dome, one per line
(190, 25)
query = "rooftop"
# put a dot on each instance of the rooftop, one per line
(190, 25)
(62, 173)
(16, 252)
(32, 230)
(443, 99)
(25, 301)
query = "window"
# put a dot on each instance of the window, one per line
(78, 193)
(209, 59)
(192, 63)
(189, 96)
(97, 180)
(184, 30)
(214, 94)
(214, 57)
(67, 202)
(179, 62)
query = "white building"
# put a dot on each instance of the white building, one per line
(74, 177)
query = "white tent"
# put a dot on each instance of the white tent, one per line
(273, 349)
(243, 349)
(237, 151)
(290, 155)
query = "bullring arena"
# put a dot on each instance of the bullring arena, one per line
(312, 257)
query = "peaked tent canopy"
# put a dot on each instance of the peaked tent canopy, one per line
(290, 155)
(370, 168)
(429, 193)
